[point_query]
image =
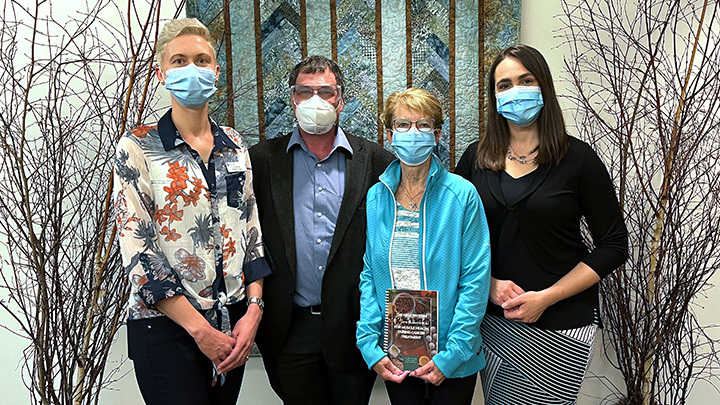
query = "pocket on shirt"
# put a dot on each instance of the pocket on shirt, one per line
(235, 185)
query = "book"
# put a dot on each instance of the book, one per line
(410, 334)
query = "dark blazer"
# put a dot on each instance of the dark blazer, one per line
(272, 172)
(547, 214)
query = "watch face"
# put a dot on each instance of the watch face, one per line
(257, 300)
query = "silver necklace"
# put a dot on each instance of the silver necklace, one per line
(512, 155)
(413, 205)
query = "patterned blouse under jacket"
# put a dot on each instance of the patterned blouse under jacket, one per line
(181, 222)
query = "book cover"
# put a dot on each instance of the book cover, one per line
(411, 327)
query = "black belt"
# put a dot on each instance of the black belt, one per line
(313, 309)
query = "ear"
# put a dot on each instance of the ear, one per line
(340, 107)
(389, 135)
(438, 131)
(217, 72)
(294, 105)
(159, 75)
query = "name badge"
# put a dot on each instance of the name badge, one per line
(234, 167)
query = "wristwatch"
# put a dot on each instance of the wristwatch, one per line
(257, 300)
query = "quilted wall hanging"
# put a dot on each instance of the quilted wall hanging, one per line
(382, 46)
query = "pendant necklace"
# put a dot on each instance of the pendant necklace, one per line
(413, 205)
(512, 155)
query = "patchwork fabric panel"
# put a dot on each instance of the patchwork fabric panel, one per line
(382, 46)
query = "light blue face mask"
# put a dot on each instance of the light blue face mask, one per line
(190, 85)
(413, 147)
(521, 105)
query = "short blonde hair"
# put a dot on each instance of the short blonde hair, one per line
(413, 99)
(182, 26)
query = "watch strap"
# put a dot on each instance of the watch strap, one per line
(256, 300)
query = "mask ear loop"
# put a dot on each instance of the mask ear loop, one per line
(163, 76)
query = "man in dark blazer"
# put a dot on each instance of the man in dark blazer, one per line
(310, 188)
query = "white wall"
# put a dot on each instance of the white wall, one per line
(539, 25)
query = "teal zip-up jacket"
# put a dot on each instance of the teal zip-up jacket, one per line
(454, 258)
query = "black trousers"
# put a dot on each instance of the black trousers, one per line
(300, 376)
(171, 369)
(415, 391)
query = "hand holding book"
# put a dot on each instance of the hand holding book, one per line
(430, 373)
(411, 329)
(388, 371)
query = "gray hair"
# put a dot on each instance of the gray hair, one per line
(181, 26)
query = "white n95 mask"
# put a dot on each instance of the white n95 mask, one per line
(315, 115)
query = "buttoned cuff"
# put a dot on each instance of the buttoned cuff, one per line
(255, 270)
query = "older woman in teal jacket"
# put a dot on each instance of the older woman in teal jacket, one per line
(426, 229)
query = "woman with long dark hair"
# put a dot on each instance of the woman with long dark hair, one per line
(537, 185)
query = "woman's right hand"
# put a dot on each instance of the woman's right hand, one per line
(503, 290)
(388, 371)
(213, 343)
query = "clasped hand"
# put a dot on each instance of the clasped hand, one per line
(244, 335)
(389, 372)
(229, 352)
(216, 345)
(518, 305)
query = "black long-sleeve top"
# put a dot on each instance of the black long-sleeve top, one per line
(537, 240)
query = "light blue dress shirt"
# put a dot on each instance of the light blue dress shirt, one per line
(318, 187)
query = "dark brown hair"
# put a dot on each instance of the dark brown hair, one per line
(554, 142)
(317, 64)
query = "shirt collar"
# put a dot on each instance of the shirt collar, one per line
(171, 138)
(341, 141)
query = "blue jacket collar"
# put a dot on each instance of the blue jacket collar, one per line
(392, 174)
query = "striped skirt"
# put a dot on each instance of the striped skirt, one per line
(528, 365)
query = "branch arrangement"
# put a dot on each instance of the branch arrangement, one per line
(70, 90)
(645, 84)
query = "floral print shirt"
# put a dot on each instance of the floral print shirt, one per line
(181, 223)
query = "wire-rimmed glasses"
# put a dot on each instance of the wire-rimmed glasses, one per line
(422, 124)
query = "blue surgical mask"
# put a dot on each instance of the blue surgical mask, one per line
(413, 147)
(521, 105)
(190, 85)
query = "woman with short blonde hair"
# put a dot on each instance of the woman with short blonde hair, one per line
(182, 26)
(426, 231)
(189, 235)
(413, 99)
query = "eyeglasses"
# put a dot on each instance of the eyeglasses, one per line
(422, 125)
(328, 92)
